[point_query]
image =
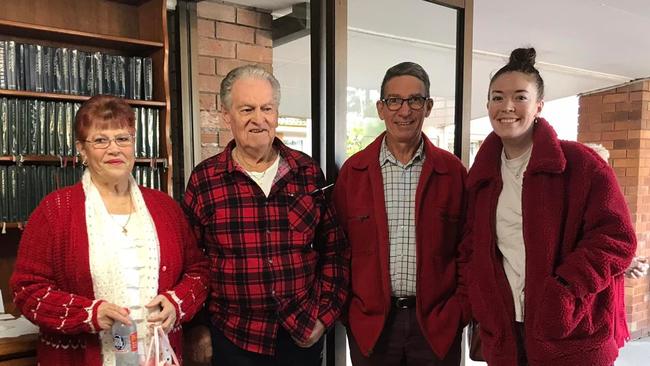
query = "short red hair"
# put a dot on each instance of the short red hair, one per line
(103, 112)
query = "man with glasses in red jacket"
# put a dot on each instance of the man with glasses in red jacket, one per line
(401, 203)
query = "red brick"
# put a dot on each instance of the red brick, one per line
(208, 101)
(640, 95)
(625, 163)
(223, 12)
(590, 137)
(263, 38)
(590, 100)
(218, 48)
(235, 32)
(254, 18)
(616, 154)
(627, 125)
(615, 116)
(636, 86)
(615, 98)
(210, 84)
(597, 127)
(206, 65)
(615, 135)
(590, 118)
(255, 53)
(209, 138)
(224, 65)
(206, 28)
(225, 135)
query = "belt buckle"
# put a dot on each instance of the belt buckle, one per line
(402, 302)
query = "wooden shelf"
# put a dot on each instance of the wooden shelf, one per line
(12, 225)
(23, 346)
(36, 32)
(72, 98)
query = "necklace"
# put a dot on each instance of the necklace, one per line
(124, 230)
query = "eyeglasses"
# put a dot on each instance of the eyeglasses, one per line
(105, 142)
(415, 102)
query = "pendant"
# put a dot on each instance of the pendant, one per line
(124, 231)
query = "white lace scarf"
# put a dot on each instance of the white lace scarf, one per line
(123, 267)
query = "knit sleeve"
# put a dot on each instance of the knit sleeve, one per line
(36, 293)
(189, 294)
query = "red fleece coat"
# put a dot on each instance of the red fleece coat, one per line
(576, 228)
(441, 306)
(52, 279)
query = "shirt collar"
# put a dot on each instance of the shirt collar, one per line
(385, 156)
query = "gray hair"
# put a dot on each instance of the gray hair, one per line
(247, 71)
(599, 149)
(409, 69)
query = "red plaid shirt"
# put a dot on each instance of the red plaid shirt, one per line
(280, 260)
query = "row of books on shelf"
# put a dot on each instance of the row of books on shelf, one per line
(23, 187)
(39, 127)
(40, 68)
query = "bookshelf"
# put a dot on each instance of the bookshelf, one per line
(119, 29)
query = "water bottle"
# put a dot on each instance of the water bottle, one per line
(125, 343)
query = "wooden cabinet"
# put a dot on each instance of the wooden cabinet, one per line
(136, 28)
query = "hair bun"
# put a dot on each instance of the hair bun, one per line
(523, 57)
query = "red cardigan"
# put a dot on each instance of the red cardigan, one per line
(439, 208)
(577, 229)
(52, 280)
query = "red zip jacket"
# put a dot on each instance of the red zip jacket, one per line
(577, 230)
(439, 209)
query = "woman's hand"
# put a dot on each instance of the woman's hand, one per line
(167, 314)
(108, 313)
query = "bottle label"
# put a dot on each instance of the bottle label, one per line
(121, 343)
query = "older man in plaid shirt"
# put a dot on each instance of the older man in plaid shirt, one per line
(279, 261)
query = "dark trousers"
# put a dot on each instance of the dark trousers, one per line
(287, 353)
(522, 359)
(402, 344)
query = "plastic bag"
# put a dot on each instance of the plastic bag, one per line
(159, 352)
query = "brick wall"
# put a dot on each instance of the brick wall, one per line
(229, 36)
(619, 119)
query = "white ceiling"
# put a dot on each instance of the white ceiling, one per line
(582, 45)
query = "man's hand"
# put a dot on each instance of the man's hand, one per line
(166, 317)
(638, 268)
(108, 313)
(316, 333)
(198, 344)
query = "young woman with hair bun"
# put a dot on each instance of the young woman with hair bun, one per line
(549, 233)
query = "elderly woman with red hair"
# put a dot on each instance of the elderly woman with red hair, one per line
(106, 250)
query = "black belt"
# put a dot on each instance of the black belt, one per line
(407, 302)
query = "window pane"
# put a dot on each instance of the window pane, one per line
(411, 30)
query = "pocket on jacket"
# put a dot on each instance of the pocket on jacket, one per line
(561, 315)
(362, 233)
(303, 214)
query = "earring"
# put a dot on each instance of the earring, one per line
(84, 162)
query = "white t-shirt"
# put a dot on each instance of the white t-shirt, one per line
(265, 179)
(510, 238)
